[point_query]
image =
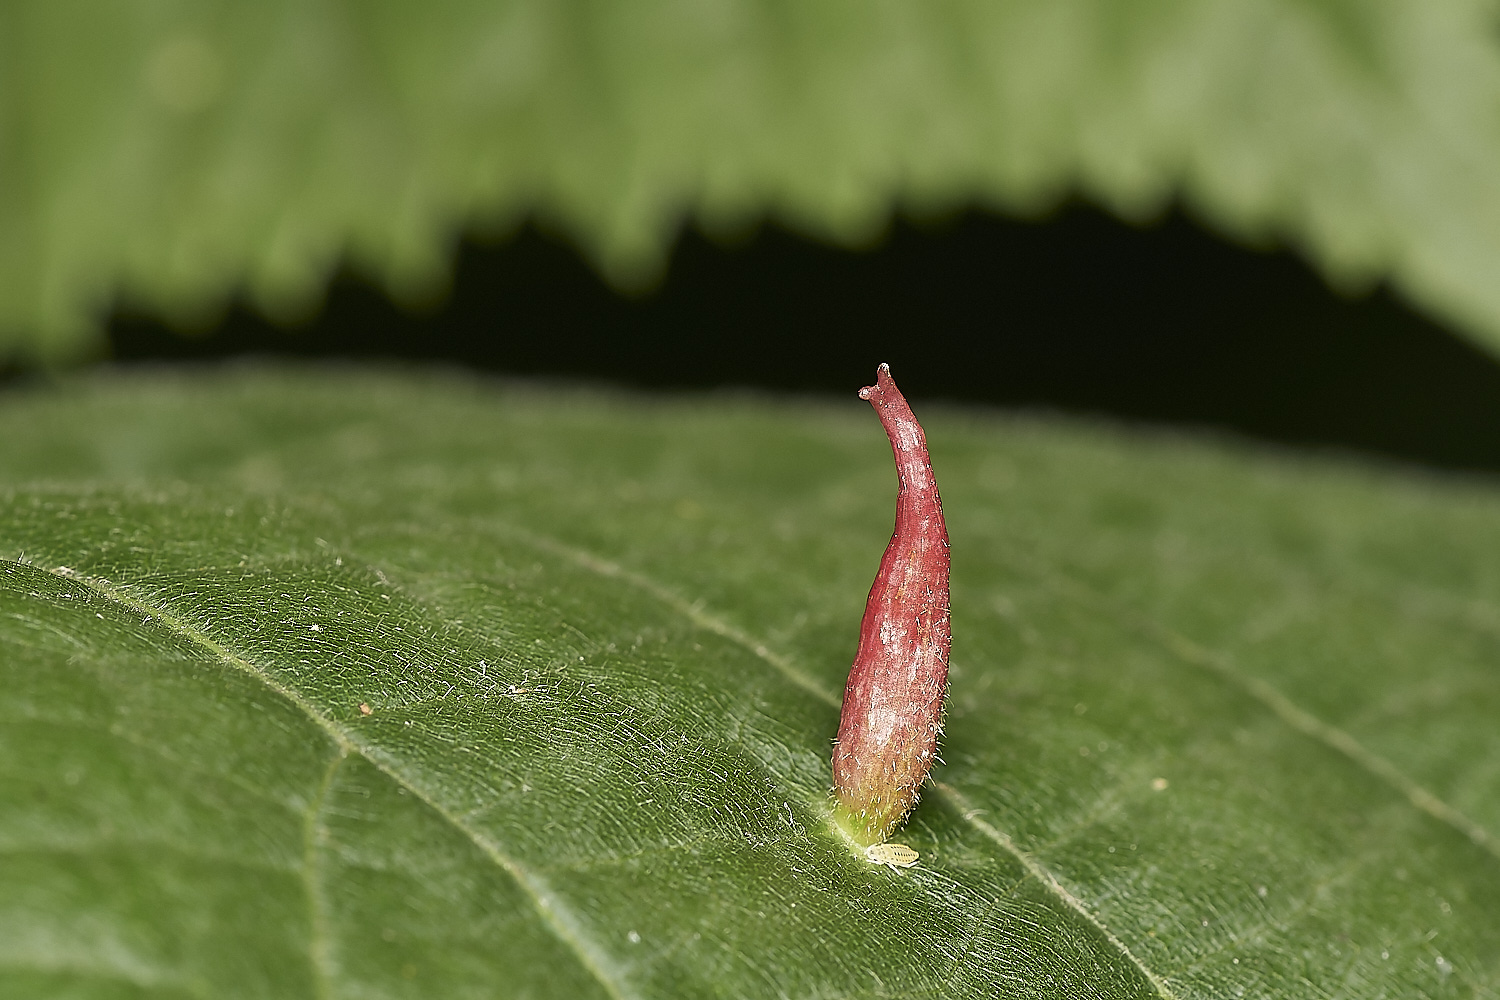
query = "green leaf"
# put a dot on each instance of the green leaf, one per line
(1221, 722)
(177, 154)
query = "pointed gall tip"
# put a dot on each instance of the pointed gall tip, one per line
(882, 382)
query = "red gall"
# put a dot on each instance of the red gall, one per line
(893, 702)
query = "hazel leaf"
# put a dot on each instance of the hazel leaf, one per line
(322, 684)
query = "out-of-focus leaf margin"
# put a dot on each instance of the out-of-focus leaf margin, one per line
(173, 155)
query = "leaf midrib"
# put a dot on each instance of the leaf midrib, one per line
(550, 910)
(1033, 867)
(554, 914)
(1179, 646)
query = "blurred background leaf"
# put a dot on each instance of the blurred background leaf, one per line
(173, 155)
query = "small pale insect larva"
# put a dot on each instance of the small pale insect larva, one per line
(893, 856)
(893, 702)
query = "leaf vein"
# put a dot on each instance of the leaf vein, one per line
(553, 912)
(1331, 736)
(1288, 711)
(695, 613)
(1042, 874)
(313, 832)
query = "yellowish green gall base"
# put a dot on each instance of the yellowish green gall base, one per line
(857, 829)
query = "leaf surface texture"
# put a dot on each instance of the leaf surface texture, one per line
(327, 684)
